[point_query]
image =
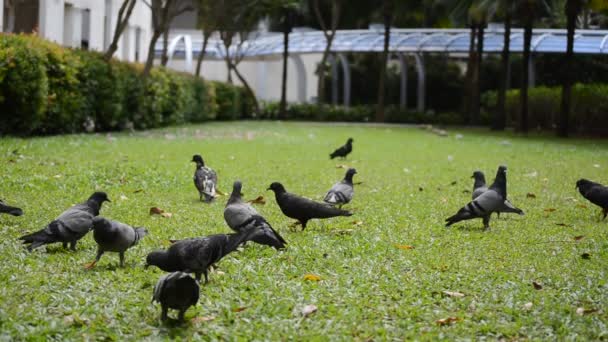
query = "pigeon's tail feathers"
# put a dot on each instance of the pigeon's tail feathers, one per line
(235, 240)
(140, 232)
(270, 238)
(333, 155)
(7, 209)
(208, 189)
(37, 239)
(463, 214)
(331, 198)
(508, 207)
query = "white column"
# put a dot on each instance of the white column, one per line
(96, 24)
(50, 18)
(72, 32)
(1, 15)
(125, 43)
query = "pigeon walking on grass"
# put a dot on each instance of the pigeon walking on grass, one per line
(492, 200)
(303, 209)
(205, 179)
(342, 192)
(176, 291)
(7, 209)
(114, 236)
(70, 226)
(343, 150)
(595, 193)
(195, 255)
(479, 187)
(241, 216)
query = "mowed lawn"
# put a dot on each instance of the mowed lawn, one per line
(372, 285)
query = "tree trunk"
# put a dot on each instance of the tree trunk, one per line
(469, 76)
(151, 49)
(201, 56)
(121, 24)
(321, 71)
(248, 89)
(571, 12)
(229, 67)
(164, 58)
(526, 76)
(476, 88)
(383, 62)
(501, 110)
(283, 104)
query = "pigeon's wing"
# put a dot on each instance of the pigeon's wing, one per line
(160, 286)
(477, 192)
(340, 193)
(483, 206)
(188, 290)
(238, 214)
(598, 195)
(123, 238)
(300, 207)
(263, 233)
(76, 220)
(209, 181)
(508, 207)
(193, 254)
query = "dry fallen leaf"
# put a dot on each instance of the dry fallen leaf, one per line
(579, 237)
(453, 294)
(202, 319)
(357, 223)
(343, 232)
(239, 309)
(156, 210)
(258, 200)
(312, 277)
(167, 215)
(341, 166)
(583, 311)
(586, 256)
(219, 193)
(447, 321)
(530, 195)
(550, 210)
(562, 224)
(581, 206)
(309, 309)
(123, 198)
(537, 285)
(404, 246)
(138, 191)
(528, 306)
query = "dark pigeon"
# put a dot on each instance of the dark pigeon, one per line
(595, 193)
(176, 291)
(241, 216)
(7, 209)
(342, 192)
(493, 200)
(479, 187)
(344, 150)
(205, 179)
(303, 209)
(197, 254)
(70, 226)
(114, 236)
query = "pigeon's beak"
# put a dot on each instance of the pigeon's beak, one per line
(108, 200)
(268, 189)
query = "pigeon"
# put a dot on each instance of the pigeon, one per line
(342, 192)
(303, 209)
(479, 187)
(114, 236)
(344, 150)
(195, 255)
(70, 226)
(595, 193)
(493, 200)
(7, 209)
(176, 291)
(241, 216)
(205, 179)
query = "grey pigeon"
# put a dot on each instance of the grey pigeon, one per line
(479, 187)
(342, 192)
(303, 209)
(176, 291)
(114, 236)
(344, 150)
(195, 255)
(70, 226)
(240, 216)
(493, 200)
(205, 179)
(7, 209)
(595, 193)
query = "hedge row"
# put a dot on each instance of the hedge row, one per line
(589, 112)
(47, 89)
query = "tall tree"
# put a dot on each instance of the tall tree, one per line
(387, 18)
(124, 13)
(329, 31)
(501, 112)
(287, 16)
(207, 22)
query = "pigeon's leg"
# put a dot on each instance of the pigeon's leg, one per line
(294, 225)
(498, 214)
(206, 277)
(65, 245)
(92, 264)
(163, 314)
(486, 222)
(73, 245)
(303, 225)
(605, 213)
(121, 255)
(197, 276)
(182, 313)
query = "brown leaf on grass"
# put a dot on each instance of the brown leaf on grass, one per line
(312, 277)
(309, 310)
(343, 232)
(341, 166)
(357, 223)
(537, 285)
(447, 321)
(258, 200)
(586, 256)
(404, 246)
(562, 224)
(219, 193)
(550, 210)
(138, 191)
(583, 311)
(239, 309)
(167, 215)
(581, 206)
(530, 195)
(528, 306)
(444, 200)
(579, 237)
(453, 294)
(159, 211)
(200, 319)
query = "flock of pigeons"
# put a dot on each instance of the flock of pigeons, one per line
(178, 290)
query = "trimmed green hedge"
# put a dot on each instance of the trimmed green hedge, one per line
(47, 89)
(589, 113)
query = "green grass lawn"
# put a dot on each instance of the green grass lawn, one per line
(369, 288)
